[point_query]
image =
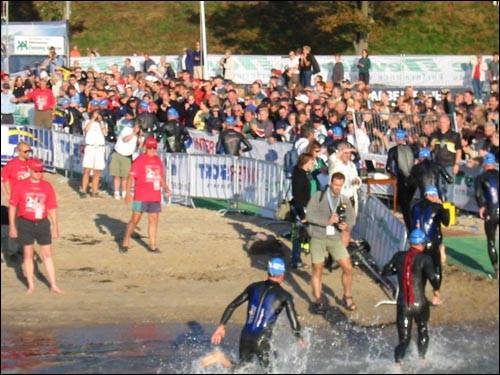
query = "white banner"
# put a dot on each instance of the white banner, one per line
(212, 176)
(396, 70)
(38, 45)
(177, 173)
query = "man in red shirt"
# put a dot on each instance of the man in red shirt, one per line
(16, 169)
(44, 104)
(148, 173)
(33, 201)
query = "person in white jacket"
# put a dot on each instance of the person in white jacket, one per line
(341, 162)
(228, 65)
(479, 74)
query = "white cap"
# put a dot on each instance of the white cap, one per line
(43, 74)
(302, 98)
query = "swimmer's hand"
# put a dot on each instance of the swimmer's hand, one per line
(302, 342)
(218, 335)
(436, 298)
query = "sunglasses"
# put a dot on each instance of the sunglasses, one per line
(27, 151)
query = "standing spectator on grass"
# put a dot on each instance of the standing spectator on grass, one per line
(308, 66)
(45, 103)
(75, 52)
(121, 159)
(493, 68)
(479, 71)
(148, 177)
(33, 217)
(338, 70)
(364, 64)
(292, 70)
(228, 66)
(148, 62)
(197, 62)
(127, 68)
(95, 131)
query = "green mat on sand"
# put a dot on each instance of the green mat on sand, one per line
(470, 253)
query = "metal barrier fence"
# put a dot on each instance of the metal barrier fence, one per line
(380, 127)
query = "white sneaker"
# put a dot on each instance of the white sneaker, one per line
(117, 195)
(124, 194)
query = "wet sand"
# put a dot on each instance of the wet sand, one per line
(204, 264)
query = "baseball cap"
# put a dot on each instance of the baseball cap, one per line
(489, 158)
(431, 190)
(424, 153)
(400, 134)
(417, 237)
(172, 112)
(302, 98)
(230, 120)
(151, 142)
(276, 267)
(143, 105)
(43, 74)
(338, 131)
(36, 165)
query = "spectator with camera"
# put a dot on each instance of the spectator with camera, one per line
(330, 216)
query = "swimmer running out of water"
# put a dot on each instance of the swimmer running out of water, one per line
(414, 268)
(266, 299)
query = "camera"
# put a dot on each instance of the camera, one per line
(341, 212)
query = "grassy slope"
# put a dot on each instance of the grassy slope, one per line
(117, 28)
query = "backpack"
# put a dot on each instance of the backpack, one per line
(291, 159)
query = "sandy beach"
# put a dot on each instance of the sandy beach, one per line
(206, 261)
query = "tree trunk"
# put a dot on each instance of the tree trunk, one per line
(361, 41)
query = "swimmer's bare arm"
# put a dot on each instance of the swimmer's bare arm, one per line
(220, 332)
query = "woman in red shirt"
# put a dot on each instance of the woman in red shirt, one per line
(148, 173)
(33, 201)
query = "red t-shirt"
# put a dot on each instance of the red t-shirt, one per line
(477, 73)
(33, 199)
(43, 98)
(148, 172)
(14, 171)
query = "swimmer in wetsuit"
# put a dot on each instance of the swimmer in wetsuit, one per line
(414, 268)
(427, 172)
(428, 214)
(487, 200)
(400, 160)
(230, 140)
(266, 299)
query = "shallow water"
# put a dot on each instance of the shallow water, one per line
(470, 348)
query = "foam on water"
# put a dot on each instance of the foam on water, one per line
(340, 348)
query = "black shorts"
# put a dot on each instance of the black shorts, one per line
(30, 231)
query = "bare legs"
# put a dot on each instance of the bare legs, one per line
(29, 268)
(95, 180)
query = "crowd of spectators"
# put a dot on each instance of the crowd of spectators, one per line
(297, 97)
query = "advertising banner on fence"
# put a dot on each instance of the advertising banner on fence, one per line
(212, 176)
(177, 173)
(396, 70)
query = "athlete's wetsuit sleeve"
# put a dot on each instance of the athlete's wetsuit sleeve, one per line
(445, 215)
(430, 274)
(444, 173)
(242, 298)
(248, 146)
(479, 193)
(292, 316)
(390, 268)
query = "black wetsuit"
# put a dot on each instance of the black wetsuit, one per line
(428, 173)
(174, 135)
(429, 216)
(411, 303)
(487, 196)
(266, 300)
(400, 160)
(230, 142)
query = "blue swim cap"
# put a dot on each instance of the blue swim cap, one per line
(103, 103)
(431, 190)
(424, 153)
(276, 267)
(230, 120)
(172, 112)
(143, 105)
(400, 134)
(489, 158)
(417, 237)
(338, 131)
(94, 103)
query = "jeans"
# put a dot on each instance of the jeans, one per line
(305, 78)
(477, 86)
(296, 245)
